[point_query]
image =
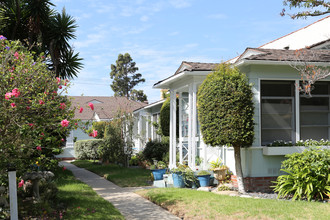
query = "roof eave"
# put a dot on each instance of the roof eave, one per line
(245, 62)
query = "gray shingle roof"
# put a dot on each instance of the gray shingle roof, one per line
(107, 107)
(195, 66)
(306, 55)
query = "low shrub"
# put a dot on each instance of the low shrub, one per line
(155, 150)
(307, 175)
(87, 149)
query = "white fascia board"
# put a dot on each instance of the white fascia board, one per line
(149, 106)
(283, 63)
(166, 83)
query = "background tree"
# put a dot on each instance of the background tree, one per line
(225, 112)
(125, 78)
(313, 8)
(42, 29)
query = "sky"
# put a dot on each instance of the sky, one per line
(160, 34)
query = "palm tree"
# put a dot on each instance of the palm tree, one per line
(42, 29)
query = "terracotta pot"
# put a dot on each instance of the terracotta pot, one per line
(220, 174)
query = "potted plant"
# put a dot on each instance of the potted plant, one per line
(204, 178)
(158, 170)
(190, 179)
(178, 176)
(219, 169)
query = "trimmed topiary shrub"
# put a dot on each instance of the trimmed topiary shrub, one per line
(164, 118)
(155, 150)
(87, 149)
(225, 112)
(307, 175)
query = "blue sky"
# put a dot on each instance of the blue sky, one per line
(160, 34)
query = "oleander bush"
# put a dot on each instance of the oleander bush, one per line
(87, 149)
(307, 175)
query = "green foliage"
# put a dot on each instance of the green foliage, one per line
(225, 108)
(30, 126)
(43, 30)
(125, 78)
(155, 150)
(87, 149)
(306, 143)
(308, 175)
(217, 164)
(99, 126)
(203, 173)
(164, 118)
(313, 8)
(112, 148)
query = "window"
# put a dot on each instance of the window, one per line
(314, 113)
(277, 111)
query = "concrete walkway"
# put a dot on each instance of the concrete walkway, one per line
(131, 205)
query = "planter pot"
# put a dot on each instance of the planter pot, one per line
(204, 180)
(158, 174)
(178, 180)
(220, 174)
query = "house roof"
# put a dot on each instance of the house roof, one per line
(303, 55)
(105, 107)
(195, 66)
(159, 102)
(191, 67)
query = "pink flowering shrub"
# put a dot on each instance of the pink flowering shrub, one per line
(35, 115)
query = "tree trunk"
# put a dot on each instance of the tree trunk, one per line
(239, 172)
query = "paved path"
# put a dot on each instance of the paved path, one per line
(131, 205)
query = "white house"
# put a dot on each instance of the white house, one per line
(281, 112)
(105, 108)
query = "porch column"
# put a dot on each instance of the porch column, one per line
(152, 130)
(297, 109)
(172, 151)
(180, 129)
(147, 128)
(194, 125)
(140, 132)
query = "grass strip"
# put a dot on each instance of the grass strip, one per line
(121, 176)
(81, 201)
(192, 204)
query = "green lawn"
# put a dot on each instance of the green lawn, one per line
(121, 176)
(81, 202)
(192, 204)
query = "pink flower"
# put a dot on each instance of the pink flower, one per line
(16, 55)
(60, 87)
(91, 105)
(62, 106)
(42, 134)
(20, 184)
(28, 107)
(65, 123)
(76, 123)
(64, 168)
(94, 133)
(41, 102)
(81, 110)
(38, 148)
(62, 140)
(13, 105)
(8, 95)
(16, 92)
(58, 80)
(31, 125)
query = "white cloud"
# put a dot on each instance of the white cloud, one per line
(180, 3)
(174, 33)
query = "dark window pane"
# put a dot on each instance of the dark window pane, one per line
(277, 88)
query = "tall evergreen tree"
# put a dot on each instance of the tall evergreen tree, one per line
(125, 78)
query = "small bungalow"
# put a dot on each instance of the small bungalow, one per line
(105, 108)
(281, 111)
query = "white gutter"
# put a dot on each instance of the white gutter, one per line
(150, 105)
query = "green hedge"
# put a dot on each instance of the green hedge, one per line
(165, 118)
(87, 149)
(155, 150)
